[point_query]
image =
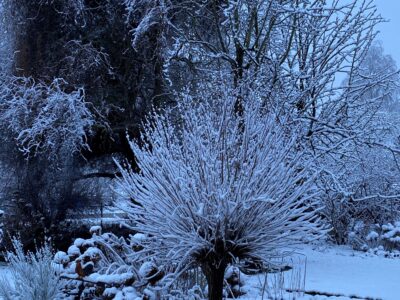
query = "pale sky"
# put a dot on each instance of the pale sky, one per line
(390, 32)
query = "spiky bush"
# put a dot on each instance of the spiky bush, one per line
(218, 185)
(32, 276)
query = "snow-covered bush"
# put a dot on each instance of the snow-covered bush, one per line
(108, 267)
(219, 185)
(380, 251)
(45, 118)
(382, 240)
(358, 235)
(372, 239)
(391, 235)
(33, 276)
(45, 127)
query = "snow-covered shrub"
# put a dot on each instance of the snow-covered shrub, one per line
(99, 266)
(372, 236)
(49, 123)
(219, 186)
(380, 251)
(337, 213)
(45, 118)
(357, 235)
(372, 239)
(109, 267)
(382, 240)
(33, 276)
(391, 236)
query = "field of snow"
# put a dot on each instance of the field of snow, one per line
(340, 271)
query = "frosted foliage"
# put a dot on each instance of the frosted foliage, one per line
(147, 14)
(45, 118)
(219, 184)
(32, 276)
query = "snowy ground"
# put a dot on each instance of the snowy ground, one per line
(328, 269)
(339, 270)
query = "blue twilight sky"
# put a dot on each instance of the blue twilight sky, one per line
(390, 31)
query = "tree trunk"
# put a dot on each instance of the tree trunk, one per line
(215, 280)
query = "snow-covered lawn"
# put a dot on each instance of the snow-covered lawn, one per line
(340, 270)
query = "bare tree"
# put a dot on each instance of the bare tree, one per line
(296, 54)
(359, 181)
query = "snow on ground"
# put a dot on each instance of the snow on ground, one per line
(338, 270)
(328, 269)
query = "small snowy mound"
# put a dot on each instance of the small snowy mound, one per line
(113, 279)
(79, 242)
(93, 252)
(61, 258)
(138, 238)
(95, 230)
(147, 269)
(74, 251)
